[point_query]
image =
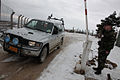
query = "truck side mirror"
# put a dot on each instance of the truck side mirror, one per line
(55, 31)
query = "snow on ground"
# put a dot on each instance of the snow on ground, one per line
(114, 57)
(62, 66)
(115, 73)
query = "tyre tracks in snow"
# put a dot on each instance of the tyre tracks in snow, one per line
(22, 68)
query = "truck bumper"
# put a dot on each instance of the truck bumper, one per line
(22, 51)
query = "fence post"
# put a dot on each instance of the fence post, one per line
(22, 21)
(25, 20)
(12, 19)
(19, 21)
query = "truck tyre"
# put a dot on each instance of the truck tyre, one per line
(62, 41)
(60, 45)
(43, 54)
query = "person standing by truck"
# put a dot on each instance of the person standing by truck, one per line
(108, 38)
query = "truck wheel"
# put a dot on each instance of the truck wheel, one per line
(61, 41)
(60, 45)
(43, 54)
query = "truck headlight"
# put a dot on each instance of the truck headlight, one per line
(15, 41)
(7, 38)
(31, 43)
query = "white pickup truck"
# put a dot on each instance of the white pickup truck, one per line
(37, 38)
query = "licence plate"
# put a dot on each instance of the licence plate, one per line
(13, 49)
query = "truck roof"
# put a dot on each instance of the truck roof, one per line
(51, 21)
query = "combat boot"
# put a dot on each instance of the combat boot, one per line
(95, 68)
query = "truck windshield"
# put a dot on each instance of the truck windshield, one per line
(40, 25)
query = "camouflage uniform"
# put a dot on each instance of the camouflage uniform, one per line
(106, 44)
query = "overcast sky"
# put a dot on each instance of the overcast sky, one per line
(71, 10)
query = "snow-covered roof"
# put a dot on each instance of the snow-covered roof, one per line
(55, 22)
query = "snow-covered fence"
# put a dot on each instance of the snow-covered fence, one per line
(7, 17)
(5, 12)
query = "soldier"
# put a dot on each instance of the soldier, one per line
(105, 45)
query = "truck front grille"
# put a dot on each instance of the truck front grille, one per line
(22, 41)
